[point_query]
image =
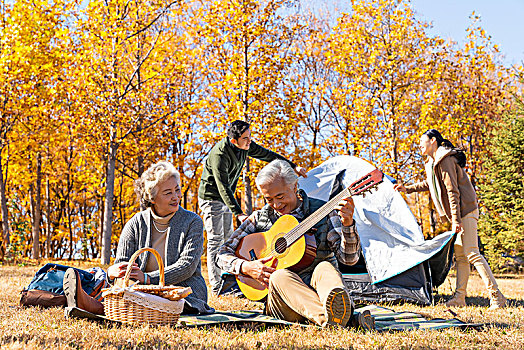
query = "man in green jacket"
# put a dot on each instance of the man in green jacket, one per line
(216, 194)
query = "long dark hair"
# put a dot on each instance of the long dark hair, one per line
(460, 155)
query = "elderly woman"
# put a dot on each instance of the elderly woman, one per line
(177, 234)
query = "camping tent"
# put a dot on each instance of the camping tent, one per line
(397, 263)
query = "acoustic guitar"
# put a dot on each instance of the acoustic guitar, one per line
(291, 242)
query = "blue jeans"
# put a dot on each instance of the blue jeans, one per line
(218, 222)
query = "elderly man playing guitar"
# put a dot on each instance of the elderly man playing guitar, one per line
(305, 284)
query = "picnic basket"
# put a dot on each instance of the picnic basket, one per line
(127, 305)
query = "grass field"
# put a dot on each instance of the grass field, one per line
(33, 328)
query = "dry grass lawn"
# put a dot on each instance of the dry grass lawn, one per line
(33, 328)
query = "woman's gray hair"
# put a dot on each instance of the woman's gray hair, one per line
(146, 187)
(277, 169)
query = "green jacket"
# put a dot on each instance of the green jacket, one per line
(223, 167)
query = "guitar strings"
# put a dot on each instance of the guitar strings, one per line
(310, 221)
(296, 232)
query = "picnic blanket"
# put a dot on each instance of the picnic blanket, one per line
(385, 319)
(389, 320)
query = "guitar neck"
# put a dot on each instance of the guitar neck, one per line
(361, 186)
(293, 235)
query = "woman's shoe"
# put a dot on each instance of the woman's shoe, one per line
(497, 300)
(458, 300)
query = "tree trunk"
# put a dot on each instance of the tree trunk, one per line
(36, 197)
(68, 212)
(245, 175)
(247, 184)
(101, 234)
(5, 212)
(419, 211)
(121, 211)
(48, 223)
(394, 148)
(60, 249)
(140, 172)
(432, 222)
(108, 204)
(84, 224)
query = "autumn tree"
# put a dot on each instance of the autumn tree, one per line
(92, 94)
(120, 70)
(399, 82)
(7, 116)
(478, 89)
(387, 60)
(464, 101)
(313, 80)
(37, 35)
(182, 136)
(249, 51)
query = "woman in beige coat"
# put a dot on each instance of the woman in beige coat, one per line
(455, 199)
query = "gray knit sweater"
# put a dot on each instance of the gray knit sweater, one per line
(184, 247)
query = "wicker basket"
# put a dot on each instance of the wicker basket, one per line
(129, 306)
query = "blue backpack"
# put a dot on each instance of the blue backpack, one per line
(50, 278)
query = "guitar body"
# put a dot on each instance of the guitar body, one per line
(270, 243)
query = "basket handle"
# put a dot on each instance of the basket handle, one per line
(158, 259)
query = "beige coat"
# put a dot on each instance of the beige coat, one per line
(453, 187)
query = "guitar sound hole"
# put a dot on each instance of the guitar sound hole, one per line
(281, 245)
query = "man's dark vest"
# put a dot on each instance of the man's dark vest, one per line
(267, 218)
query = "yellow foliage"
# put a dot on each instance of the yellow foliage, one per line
(138, 82)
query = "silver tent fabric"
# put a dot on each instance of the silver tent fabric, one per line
(391, 239)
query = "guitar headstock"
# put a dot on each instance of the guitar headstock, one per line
(366, 183)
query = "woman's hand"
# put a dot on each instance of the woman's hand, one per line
(301, 171)
(399, 187)
(119, 271)
(457, 228)
(241, 218)
(345, 208)
(257, 270)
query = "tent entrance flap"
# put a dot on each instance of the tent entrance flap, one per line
(440, 263)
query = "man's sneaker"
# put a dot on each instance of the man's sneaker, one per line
(363, 320)
(338, 307)
(497, 300)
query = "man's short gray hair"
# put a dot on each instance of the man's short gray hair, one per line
(274, 170)
(146, 187)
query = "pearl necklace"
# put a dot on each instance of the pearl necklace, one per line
(160, 231)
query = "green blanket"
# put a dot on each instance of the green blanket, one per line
(385, 319)
(389, 320)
